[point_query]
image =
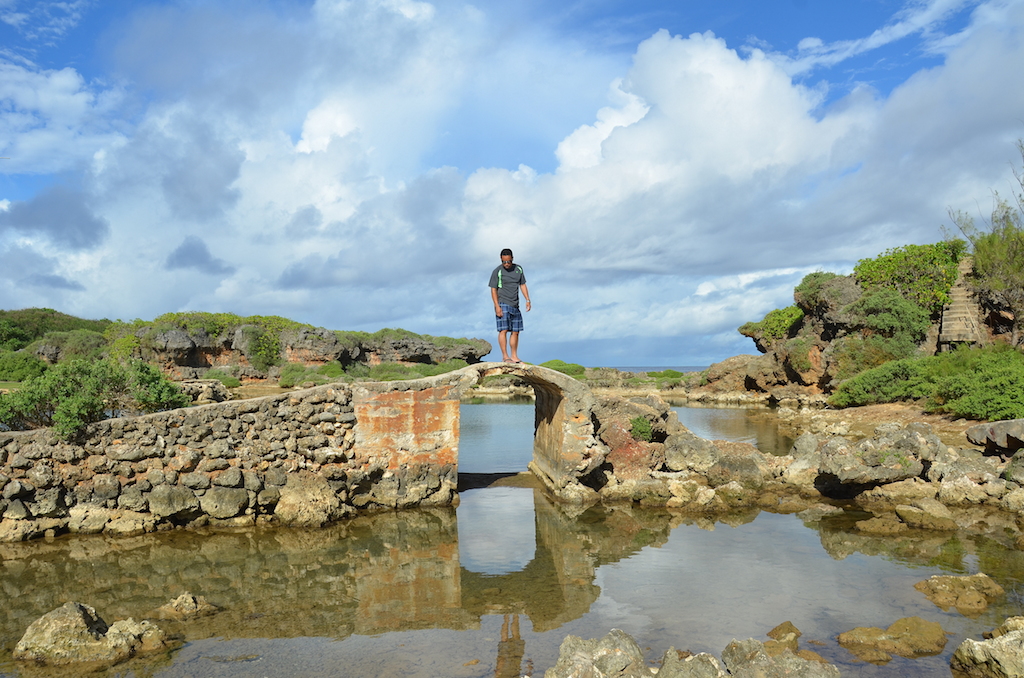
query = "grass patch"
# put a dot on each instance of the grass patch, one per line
(572, 369)
(640, 429)
(229, 380)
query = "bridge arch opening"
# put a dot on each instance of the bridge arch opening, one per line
(564, 439)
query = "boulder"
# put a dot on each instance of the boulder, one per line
(174, 502)
(950, 464)
(961, 491)
(1014, 470)
(804, 468)
(677, 664)
(224, 502)
(902, 492)
(1011, 624)
(204, 390)
(998, 436)
(88, 518)
(970, 595)
(748, 659)
(307, 500)
(74, 633)
(731, 373)
(738, 462)
(873, 461)
(617, 654)
(1000, 657)
(685, 451)
(910, 637)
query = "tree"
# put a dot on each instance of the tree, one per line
(999, 253)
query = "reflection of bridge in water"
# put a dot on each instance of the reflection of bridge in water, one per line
(394, 571)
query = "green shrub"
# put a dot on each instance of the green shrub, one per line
(992, 389)
(886, 312)
(640, 429)
(12, 337)
(332, 370)
(393, 372)
(923, 274)
(775, 324)
(855, 354)
(809, 294)
(123, 342)
(20, 366)
(441, 368)
(666, 378)
(229, 381)
(892, 327)
(572, 369)
(798, 349)
(36, 322)
(892, 381)
(85, 344)
(75, 393)
(294, 374)
(976, 383)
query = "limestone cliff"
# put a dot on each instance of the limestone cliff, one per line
(838, 327)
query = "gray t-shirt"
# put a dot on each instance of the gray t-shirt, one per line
(507, 283)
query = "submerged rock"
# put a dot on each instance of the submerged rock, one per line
(908, 637)
(186, 606)
(970, 595)
(74, 633)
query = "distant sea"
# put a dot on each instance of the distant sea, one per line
(657, 368)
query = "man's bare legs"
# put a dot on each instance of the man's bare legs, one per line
(502, 345)
(509, 340)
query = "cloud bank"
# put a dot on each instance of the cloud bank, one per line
(285, 162)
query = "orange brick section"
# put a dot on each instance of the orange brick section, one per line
(408, 428)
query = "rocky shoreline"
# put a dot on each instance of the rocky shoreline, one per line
(905, 472)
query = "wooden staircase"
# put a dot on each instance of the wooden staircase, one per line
(960, 323)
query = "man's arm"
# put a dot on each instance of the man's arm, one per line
(526, 295)
(494, 298)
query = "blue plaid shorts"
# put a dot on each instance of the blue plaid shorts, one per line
(511, 319)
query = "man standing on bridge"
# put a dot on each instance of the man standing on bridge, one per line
(506, 281)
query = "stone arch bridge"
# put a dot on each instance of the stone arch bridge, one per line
(565, 442)
(306, 457)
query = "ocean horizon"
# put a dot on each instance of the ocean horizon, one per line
(656, 368)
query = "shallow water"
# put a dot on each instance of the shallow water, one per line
(492, 588)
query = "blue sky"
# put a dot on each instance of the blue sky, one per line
(664, 171)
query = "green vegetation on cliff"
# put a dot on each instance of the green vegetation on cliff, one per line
(21, 327)
(774, 326)
(843, 325)
(922, 274)
(891, 328)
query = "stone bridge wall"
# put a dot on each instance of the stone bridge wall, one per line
(307, 457)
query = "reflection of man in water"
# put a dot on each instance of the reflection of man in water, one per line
(510, 649)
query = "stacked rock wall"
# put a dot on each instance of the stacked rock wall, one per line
(304, 458)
